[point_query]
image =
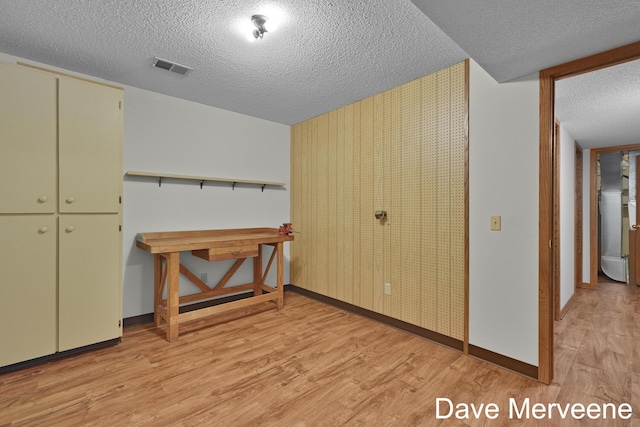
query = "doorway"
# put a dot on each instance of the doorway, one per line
(548, 251)
(596, 273)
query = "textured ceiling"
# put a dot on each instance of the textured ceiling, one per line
(601, 108)
(325, 54)
(513, 38)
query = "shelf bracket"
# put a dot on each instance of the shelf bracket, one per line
(159, 181)
(263, 185)
(233, 187)
(201, 183)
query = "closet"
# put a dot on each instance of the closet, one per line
(60, 213)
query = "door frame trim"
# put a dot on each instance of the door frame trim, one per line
(547, 251)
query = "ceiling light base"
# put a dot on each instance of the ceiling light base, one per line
(259, 21)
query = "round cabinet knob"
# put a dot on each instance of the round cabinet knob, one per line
(70, 200)
(69, 229)
(42, 199)
(43, 230)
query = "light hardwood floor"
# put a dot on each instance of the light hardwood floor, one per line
(315, 365)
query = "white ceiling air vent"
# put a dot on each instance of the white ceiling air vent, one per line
(171, 66)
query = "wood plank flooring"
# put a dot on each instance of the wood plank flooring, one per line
(315, 365)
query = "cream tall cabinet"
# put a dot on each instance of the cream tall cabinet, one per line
(60, 213)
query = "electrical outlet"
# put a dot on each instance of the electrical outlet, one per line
(387, 288)
(203, 277)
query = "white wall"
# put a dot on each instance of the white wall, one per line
(167, 134)
(503, 180)
(567, 215)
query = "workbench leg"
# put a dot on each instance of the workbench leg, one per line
(257, 273)
(157, 289)
(280, 274)
(173, 298)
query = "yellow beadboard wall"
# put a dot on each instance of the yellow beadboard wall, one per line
(403, 151)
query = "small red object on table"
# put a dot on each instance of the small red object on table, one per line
(285, 229)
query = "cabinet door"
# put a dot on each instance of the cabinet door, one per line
(27, 287)
(28, 126)
(90, 308)
(90, 144)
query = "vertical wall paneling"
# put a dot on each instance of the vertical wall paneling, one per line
(357, 187)
(444, 201)
(411, 205)
(396, 214)
(332, 235)
(348, 205)
(386, 197)
(429, 191)
(402, 151)
(341, 183)
(322, 217)
(367, 207)
(296, 183)
(312, 220)
(378, 203)
(305, 190)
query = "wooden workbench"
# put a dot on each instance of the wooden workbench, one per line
(211, 245)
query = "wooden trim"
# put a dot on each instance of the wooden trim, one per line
(557, 242)
(399, 324)
(504, 361)
(593, 220)
(567, 306)
(35, 67)
(545, 232)
(465, 345)
(547, 82)
(578, 217)
(141, 319)
(601, 60)
(631, 259)
(615, 148)
(58, 355)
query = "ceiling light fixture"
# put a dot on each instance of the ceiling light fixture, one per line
(260, 22)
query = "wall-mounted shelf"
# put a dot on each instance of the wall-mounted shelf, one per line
(203, 179)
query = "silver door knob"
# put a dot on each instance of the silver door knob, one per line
(42, 199)
(70, 200)
(69, 229)
(43, 229)
(381, 214)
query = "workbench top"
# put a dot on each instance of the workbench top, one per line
(176, 241)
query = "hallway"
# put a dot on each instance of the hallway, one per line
(596, 347)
